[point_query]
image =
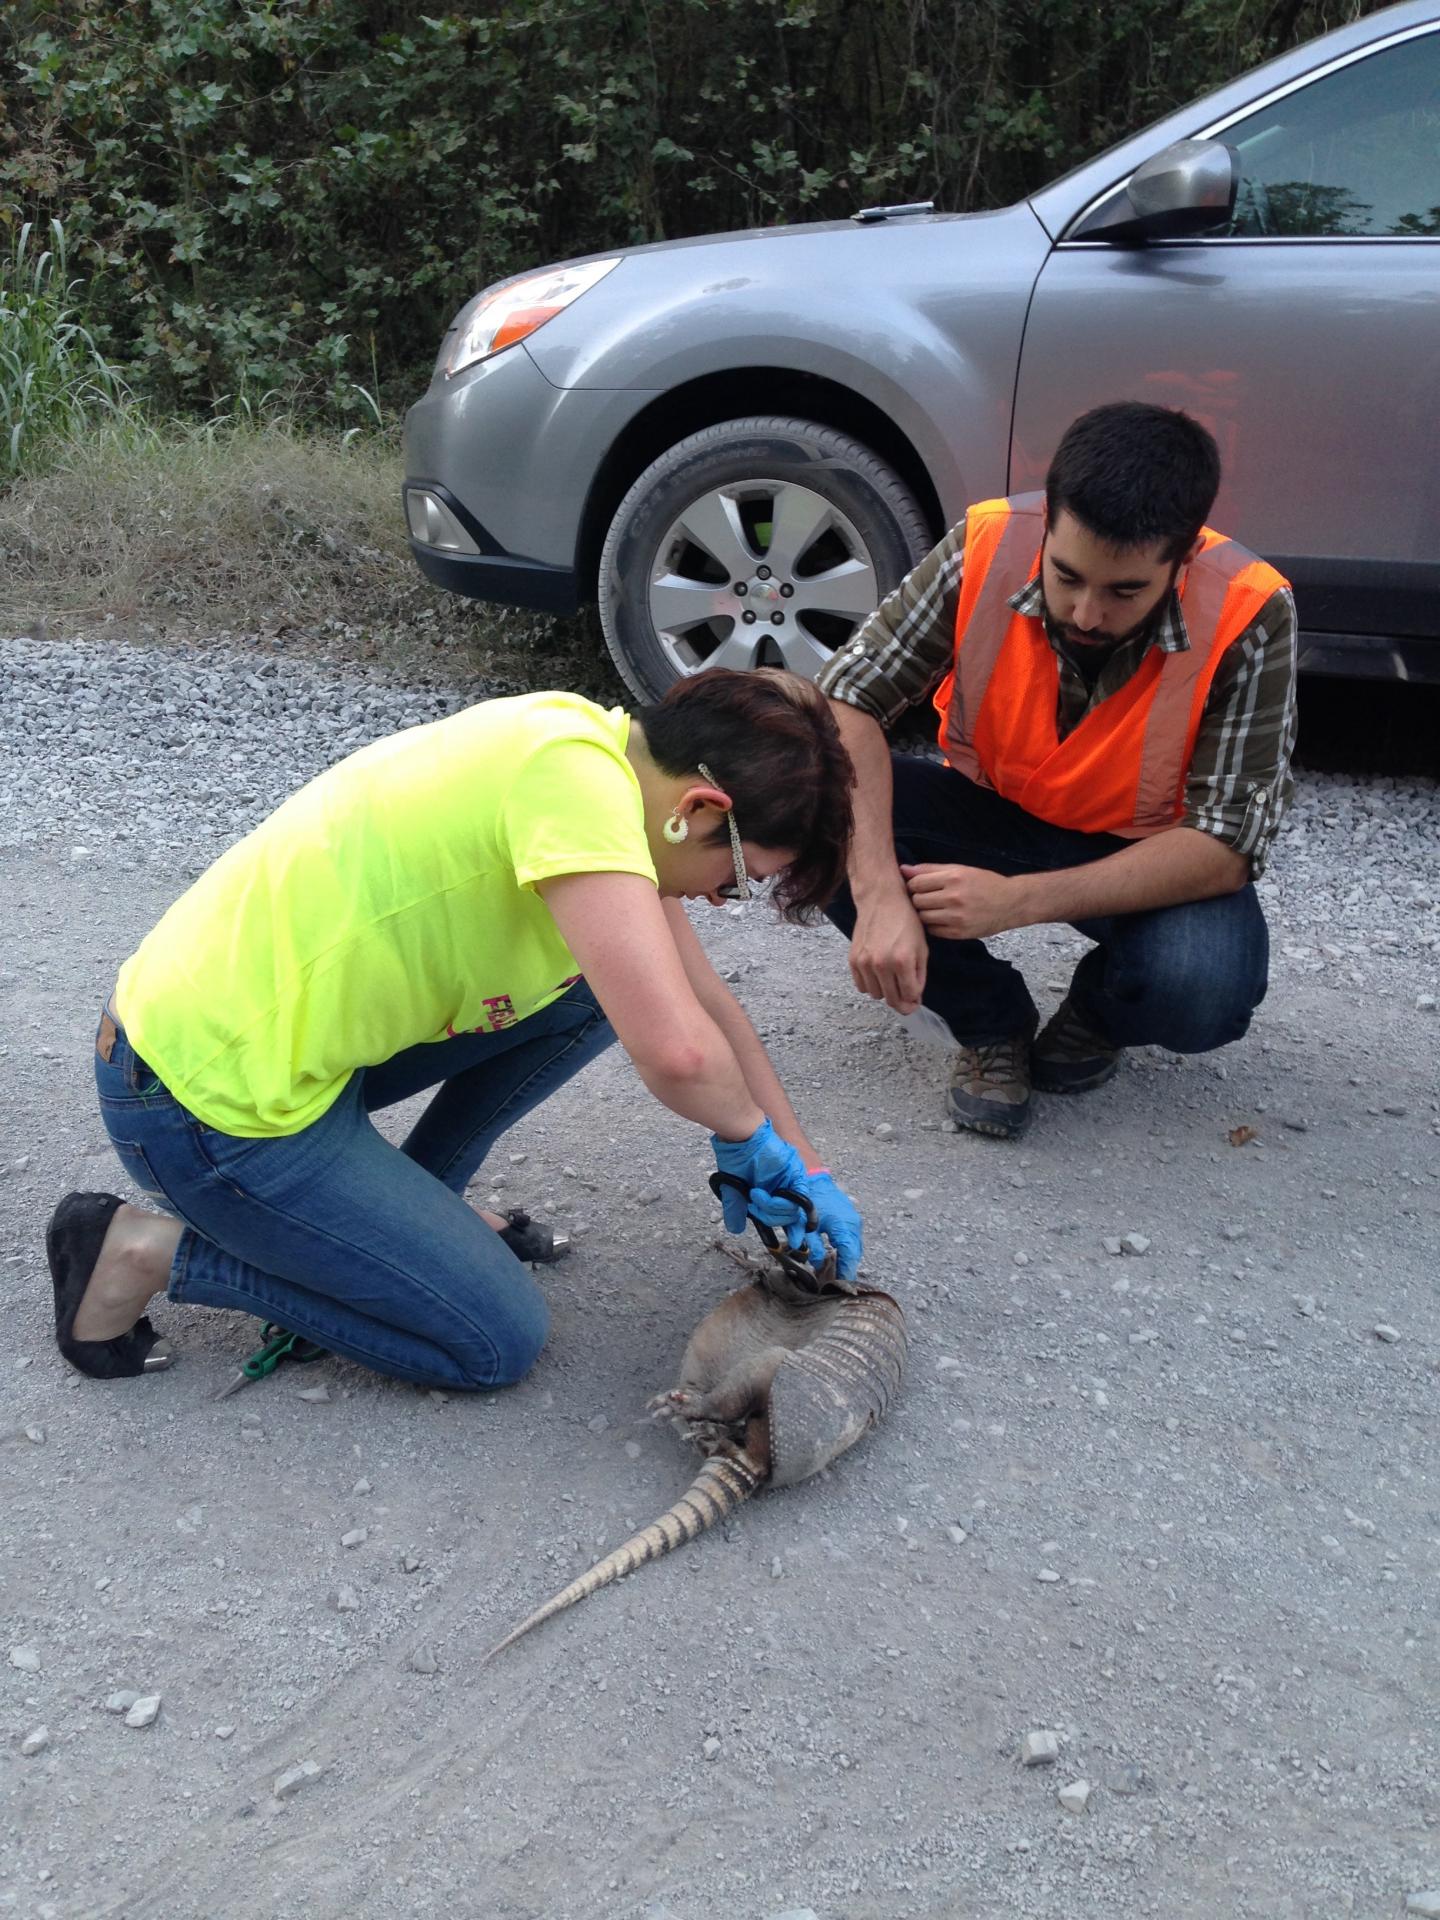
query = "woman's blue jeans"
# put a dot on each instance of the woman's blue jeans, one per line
(1184, 977)
(366, 1248)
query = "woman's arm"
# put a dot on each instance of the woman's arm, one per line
(619, 933)
(746, 1045)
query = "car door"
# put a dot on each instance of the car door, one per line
(1306, 335)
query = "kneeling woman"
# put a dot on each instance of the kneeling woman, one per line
(480, 906)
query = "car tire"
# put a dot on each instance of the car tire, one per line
(686, 579)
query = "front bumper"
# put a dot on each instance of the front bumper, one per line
(456, 552)
(499, 465)
(503, 578)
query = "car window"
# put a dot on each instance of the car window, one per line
(1354, 153)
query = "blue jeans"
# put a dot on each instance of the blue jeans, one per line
(1185, 977)
(365, 1248)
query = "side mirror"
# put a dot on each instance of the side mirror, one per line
(1185, 189)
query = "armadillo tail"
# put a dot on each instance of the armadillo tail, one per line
(717, 1490)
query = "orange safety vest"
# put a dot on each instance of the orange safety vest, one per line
(1122, 770)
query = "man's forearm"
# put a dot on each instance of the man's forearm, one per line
(872, 867)
(1166, 870)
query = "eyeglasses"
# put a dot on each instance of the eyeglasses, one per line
(742, 889)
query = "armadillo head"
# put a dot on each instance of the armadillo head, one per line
(791, 1280)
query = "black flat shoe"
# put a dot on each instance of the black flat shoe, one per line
(73, 1241)
(528, 1240)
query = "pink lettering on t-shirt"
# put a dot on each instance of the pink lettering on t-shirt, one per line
(499, 1013)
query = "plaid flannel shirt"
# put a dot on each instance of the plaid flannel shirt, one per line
(1239, 782)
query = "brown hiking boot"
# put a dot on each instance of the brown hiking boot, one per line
(1068, 1056)
(990, 1087)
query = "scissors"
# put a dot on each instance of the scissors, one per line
(796, 1266)
(279, 1345)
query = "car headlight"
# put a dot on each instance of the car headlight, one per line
(510, 312)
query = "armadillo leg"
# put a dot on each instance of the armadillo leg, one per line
(741, 1393)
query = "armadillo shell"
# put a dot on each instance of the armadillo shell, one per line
(827, 1394)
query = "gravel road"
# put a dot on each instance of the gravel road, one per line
(1164, 1481)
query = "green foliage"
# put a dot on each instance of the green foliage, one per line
(54, 381)
(296, 195)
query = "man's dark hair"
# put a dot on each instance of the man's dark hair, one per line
(771, 742)
(1133, 474)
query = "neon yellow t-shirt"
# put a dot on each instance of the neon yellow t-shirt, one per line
(388, 903)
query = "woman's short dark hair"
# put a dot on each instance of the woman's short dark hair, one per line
(771, 742)
(1133, 474)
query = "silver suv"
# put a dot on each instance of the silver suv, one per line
(739, 443)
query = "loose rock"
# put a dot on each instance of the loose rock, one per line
(1039, 1749)
(122, 1702)
(1388, 1334)
(1075, 1797)
(423, 1660)
(356, 1537)
(144, 1711)
(35, 1742)
(291, 1781)
(25, 1658)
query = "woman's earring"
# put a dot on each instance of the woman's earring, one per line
(676, 828)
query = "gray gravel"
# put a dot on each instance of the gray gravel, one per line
(1162, 1483)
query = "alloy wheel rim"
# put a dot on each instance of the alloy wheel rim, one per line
(759, 572)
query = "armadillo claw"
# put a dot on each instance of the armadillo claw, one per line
(670, 1405)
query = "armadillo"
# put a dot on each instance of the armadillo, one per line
(777, 1382)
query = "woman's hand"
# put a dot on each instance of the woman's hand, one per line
(763, 1163)
(837, 1219)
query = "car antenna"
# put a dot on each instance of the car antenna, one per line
(867, 216)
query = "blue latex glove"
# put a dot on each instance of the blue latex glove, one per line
(839, 1222)
(837, 1218)
(764, 1162)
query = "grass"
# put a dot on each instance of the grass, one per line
(54, 381)
(251, 521)
(255, 524)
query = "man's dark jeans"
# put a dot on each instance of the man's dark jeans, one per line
(1186, 977)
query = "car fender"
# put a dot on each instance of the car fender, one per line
(922, 317)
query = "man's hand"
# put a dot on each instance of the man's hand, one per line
(888, 953)
(960, 903)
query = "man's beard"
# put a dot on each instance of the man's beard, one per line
(1107, 642)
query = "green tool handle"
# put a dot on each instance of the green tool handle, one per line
(269, 1356)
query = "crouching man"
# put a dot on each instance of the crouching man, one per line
(1116, 688)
